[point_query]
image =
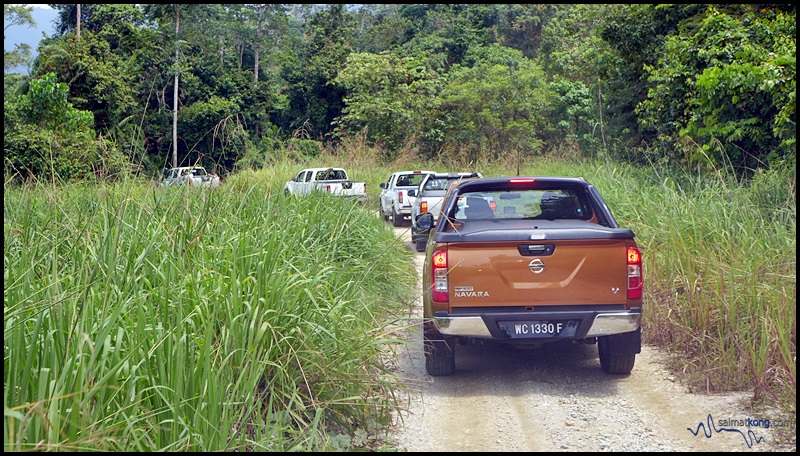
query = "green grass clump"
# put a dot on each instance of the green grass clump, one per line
(146, 319)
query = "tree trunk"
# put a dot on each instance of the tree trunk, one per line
(175, 94)
(78, 21)
(258, 40)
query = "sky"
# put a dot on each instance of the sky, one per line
(18, 34)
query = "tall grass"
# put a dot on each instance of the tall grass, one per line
(146, 319)
(722, 277)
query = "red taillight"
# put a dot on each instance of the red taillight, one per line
(328, 188)
(634, 273)
(400, 196)
(423, 207)
(493, 205)
(439, 292)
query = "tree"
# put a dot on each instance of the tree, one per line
(380, 28)
(521, 26)
(574, 57)
(326, 44)
(498, 102)
(45, 135)
(387, 95)
(635, 34)
(175, 90)
(729, 84)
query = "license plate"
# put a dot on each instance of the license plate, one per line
(539, 329)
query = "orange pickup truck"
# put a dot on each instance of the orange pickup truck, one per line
(546, 262)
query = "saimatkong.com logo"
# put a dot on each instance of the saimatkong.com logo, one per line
(710, 427)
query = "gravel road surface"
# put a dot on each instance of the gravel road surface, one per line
(557, 398)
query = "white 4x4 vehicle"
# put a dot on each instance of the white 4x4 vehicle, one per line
(395, 203)
(428, 198)
(188, 175)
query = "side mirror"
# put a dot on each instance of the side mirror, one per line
(383, 184)
(425, 221)
(412, 192)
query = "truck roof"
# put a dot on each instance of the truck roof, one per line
(540, 182)
(416, 171)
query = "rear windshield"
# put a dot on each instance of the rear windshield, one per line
(332, 174)
(524, 204)
(439, 183)
(410, 180)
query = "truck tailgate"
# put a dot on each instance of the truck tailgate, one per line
(584, 272)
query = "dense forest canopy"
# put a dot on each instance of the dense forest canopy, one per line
(704, 85)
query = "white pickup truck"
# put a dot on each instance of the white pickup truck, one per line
(395, 203)
(333, 181)
(428, 198)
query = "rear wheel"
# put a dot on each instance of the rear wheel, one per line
(397, 219)
(440, 355)
(612, 362)
(420, 245)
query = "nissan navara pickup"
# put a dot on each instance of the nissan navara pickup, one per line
(547, 263)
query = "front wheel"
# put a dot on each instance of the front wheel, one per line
(611, 361)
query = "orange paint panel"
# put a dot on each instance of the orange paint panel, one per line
(577, 273)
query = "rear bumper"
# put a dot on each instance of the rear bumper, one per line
(495, 325)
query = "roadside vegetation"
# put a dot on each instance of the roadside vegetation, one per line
(140, 319)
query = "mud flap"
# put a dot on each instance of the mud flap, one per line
(626, 343)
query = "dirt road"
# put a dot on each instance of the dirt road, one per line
(557, 398)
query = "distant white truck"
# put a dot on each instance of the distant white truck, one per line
(195, 176)
(333, 181)
(395, 203)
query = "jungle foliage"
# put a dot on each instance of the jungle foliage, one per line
(701, 86)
